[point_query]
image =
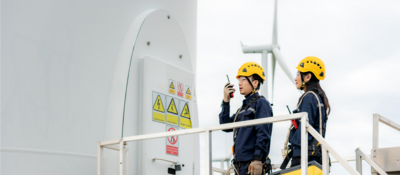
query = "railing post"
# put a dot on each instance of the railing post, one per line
(325, 161)
(99, 158)
(358, 162)
(208, 157)
(304, 144)
(375, 134)
(375, 139)
(121, 157)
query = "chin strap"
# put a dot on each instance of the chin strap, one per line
(306, 83)
(254, 90)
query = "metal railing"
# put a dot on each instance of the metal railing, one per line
(304, 126)
(375, 138)
(361, 155)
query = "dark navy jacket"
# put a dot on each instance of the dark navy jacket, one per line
(252, 140)
(309, 105)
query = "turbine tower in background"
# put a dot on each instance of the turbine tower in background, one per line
(276, 56)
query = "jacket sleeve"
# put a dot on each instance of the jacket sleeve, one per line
(263, 132)
(224, 116)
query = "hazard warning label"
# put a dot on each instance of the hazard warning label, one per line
(172, 142)
(171, 86)
(172, 110)
(188, 92)
(185, 121)
(158, 107)
(180, 89)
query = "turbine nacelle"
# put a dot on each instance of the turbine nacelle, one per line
(259, 48)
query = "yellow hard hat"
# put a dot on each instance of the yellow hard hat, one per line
(251, 68)
(314, 65)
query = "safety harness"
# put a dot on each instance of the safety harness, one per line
(267, 167)
(314, 149)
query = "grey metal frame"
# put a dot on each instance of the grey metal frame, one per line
(361, 155)
(375, 140)
(306, 128)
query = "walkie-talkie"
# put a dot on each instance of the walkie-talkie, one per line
(231, 94)
(293, 121)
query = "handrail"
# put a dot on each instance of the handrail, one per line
(375, 132)
(361, 155)
(389, 122)
(305, 129)
(166, 160)
(326, 146)
(215, 127)
(376, 119)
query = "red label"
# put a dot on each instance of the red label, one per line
(172, 150)
(172, 143)
(180, 89)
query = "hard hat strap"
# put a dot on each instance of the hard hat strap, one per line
(306, 83)
(254, 90)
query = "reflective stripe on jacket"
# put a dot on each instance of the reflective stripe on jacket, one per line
(251, 140)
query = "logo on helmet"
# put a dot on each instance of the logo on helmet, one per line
(302, 65)
(321, 74)
(244, 70)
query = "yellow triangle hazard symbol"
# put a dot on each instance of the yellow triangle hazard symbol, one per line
(172, 85)
(158, 106)
(185, 111)
(188, 91)
(172, 107)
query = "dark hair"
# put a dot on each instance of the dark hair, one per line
(260, 80)
(316, 87)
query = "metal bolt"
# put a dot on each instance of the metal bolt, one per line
(180, 56)
(168, 16)
(148, 43)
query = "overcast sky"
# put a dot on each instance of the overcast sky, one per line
(359, 42)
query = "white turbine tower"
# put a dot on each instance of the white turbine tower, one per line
(276, 56)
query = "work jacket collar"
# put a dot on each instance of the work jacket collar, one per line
(247, 100)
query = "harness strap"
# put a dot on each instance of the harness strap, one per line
(286, 160)
(298, 104)
(252, 100)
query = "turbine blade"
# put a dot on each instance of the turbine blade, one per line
(281, 61)
(273, 61)
(275, 25)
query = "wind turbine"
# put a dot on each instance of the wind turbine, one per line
(276, 56)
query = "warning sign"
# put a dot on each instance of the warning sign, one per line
(172, 111)
(184, 119)
(158, 107)
(185, 111)
(188, 93)
(172, 143)
(172, 107)
(185, 123)
(180, 89)
(171, 87)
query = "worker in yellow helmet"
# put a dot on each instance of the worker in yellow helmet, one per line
(251, 144)
(311, 70)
